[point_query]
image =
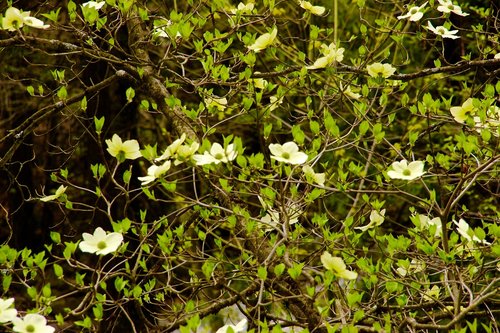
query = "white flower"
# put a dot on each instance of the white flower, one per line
(7, 313)
(337, 266)
(32, 323)
(331, 54)
(172, 149)
(13, 19)
(414, 14)
(60, 191)
(424, 222)
(217, 154)
(273, 217)
(466, 232)
(403, 170)
(376, 219)
(459, 113)
(155, 172)
(238, 328)
(100, 242)
(380, 70)
(415, 266)
(442, 31)
(220, 103)
(316, 10)
(318, 178)
(185, 152)
(94, 4)
(128, 149)
(35, 23)
(274, 102)
(497, 56)
(349, 93)
(243, 9)
(264, 41)
(448, 7)
(287, 153)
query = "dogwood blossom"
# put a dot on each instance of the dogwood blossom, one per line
(337, 266)
(380, 70)
(217, 154)
(32, 323)
(405, 171)
(460, 113)
(60, 191)
(349, 93)
(287, 153)
(100, 242)
(442, 31)
(331, 54)
(123, 150)
(7, 313)
(35, 23)
(318, 178)
(94, 4)
(243, 9)
(466, 232)
(446, 6)
(273, 217)
(219, 103)
(155, 172)
(316, 10)
(415, 266)
(264, 41)
(15, 19)
(238, 328)
(424, 222)
(414, 14)
(172, 148)
(376, 219)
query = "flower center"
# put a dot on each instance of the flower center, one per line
(219, 156)
(285, 155)
(407, 172)
(451, 6)
(413, 10)
(441, 30)
(15, 23)
(101, 245)
(30, 328)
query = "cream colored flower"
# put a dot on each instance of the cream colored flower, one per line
(414, 14)
(100, 242)
(380, 70)
(460, 113)
(446, 6)
(318, 178)
(264, 41)
(185, 152)
(287, 153)
(60, 191)
(7, 313)
(405, 171)
(155, 172)
(94, 4)
(217, 154)
(172, 149)
(243, 9)
(376, 219)
(466, 232)
(331, 54)
(123, 150)
(31, 323)
(315, 10)
(442, 31)
(349, 93)
(219, 103)
(337, 266)
(238, 328)
(35, 23)
(272, 219)
(424, 222)
(13, 19)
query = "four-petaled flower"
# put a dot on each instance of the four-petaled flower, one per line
(380, 70)
(376, 219)
(128, 149)
(287, 153)
(405, 171)
(94, 4)
(442, 31)
(448, 7)
(60, 191)
(219, 103)
(32, 323)
(15, 19)
(155, 172)
(459, 113)
(243, 9)
(273, 217)
(7, 313)
(217, 154)
(424, 222)
(238, 328)
(337, 266)
(318, 178)
(466, 232)
(264, 41)
(331, 54)
(100, 242)
(316, 10)
(414, 14)
(178, 151)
